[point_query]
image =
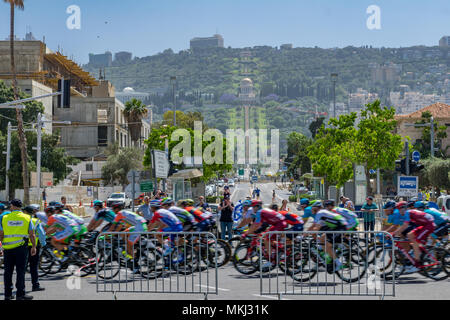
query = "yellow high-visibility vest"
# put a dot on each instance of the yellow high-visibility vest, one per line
(15, 228)
(35, 225)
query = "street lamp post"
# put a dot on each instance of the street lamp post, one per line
(334, 77)
(173, 81)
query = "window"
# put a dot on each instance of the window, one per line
(102, 136)
(102, 116)
(89, 167)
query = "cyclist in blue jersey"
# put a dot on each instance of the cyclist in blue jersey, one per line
(101, 215)
(441, 220)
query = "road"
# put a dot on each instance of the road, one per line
(231, 284)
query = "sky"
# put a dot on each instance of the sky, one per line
(147, 27)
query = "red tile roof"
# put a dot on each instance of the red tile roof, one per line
(437, 110)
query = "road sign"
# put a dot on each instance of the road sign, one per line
(241, 172)
(416, 156)
(255, 179)
(284, 168)
(136, 176)
(146, 186)
(161, 164)
(408, 186)
(371, 171)
(129, 190)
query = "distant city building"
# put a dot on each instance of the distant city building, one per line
(385, 73)
(286, 46)
(101, 60)
(215, 41)
(359, 99)
(341, 109)
(123, 57)
(444, 42)
(406, 101)
(128, 94)
(29, 37)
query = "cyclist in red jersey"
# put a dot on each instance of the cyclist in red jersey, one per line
(265, 218)
(292, 219)
(424, 227)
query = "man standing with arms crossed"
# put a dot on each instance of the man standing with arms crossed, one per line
(15, 230)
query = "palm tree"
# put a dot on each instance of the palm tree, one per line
(134, 111)
(22, 139)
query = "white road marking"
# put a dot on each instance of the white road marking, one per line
(214, 288)
(269, 297)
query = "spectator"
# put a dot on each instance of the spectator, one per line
(284, 206)
(66, 206)
(274, 195)
(226, 193)
(226, 218)
(145, 210)
(201, 203)
(369, 209)
(346, 203)
(257, 192)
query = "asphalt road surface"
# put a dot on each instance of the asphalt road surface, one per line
(231, 284)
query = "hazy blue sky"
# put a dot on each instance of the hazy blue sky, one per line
(147, 27)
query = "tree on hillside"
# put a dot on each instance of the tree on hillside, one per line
(22, 138)
(316, 125)
(134, 112)
(376, 145)
(436, 173)
(119, 162)
(184, 120)
(298, 153)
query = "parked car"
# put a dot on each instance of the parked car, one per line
(220, 183)
(119, 197)
(231, 183)
(444, 203)
(210, 190)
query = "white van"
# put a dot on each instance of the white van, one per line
(444, 203)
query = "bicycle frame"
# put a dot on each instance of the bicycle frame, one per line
(408, 256)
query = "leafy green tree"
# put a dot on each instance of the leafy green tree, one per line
(119, 162)
(297, 153)
(423, 145)
(376, 145)
(436, 173)
(134, 112)
(331, 153)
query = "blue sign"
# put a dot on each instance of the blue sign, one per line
(416, 156)
(408, 186)
(254, 178)
(284, 168)
(371, 171)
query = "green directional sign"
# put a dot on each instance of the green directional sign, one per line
(147, 186)
(241, 172)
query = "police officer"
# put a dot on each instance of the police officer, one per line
(15, 229)
(40, 235)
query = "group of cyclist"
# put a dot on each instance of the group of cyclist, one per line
(414, 221)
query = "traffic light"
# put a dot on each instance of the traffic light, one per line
(64, 98)
(400, 166)
(416, 167)
(172, 169)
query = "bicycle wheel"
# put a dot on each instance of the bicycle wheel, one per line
(108, 266)
(244, 261)
(85, 259)
(48, 263)
(437, 272)
(354, 264)
(298, 265)
(223, 253)
(151, 263)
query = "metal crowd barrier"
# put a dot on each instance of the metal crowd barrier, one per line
(190, 267)
(297, 264)
(378, 217)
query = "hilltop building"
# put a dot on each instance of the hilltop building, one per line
(216, 41)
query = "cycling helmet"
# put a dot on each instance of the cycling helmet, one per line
(389, 205)
(117, 205)
(53, 203)
(401, 205)
(167, 201)
(247, 203)
(304, 201)
(28, 209)
(98, 203)
(49, 209)
(419, 205)
(257, 203)
(410, 204)
(155, 203)
(274, 207)
(328, 203)
(35, 207)
(2, 206)
(187, 202)
(58, 206)
(317, 204)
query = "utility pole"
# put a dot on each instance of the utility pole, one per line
(39, 153)
(431, 125)
(407, 157)
(334, 77)
(8, 161)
